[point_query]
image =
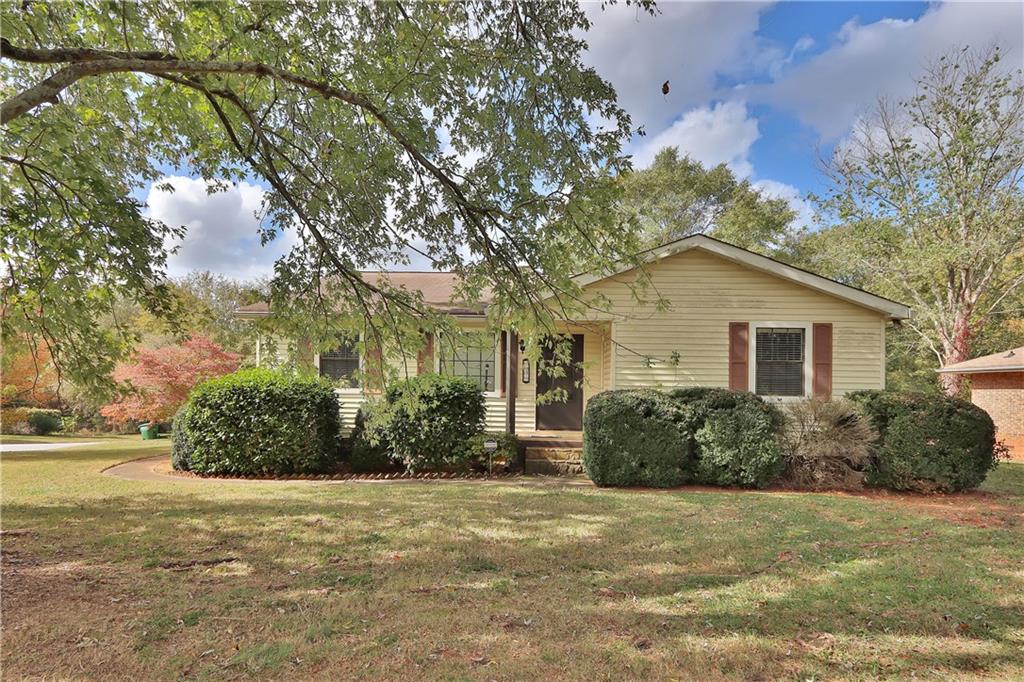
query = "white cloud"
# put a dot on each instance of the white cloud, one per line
(831, 89)
(780, 190)
(221, 227)
(687, 43)
(722, 133)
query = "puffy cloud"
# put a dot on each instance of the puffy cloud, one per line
(831, 89)
(722, 133)
(687, 43)
(221, 227)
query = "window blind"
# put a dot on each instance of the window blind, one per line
(780, 361)
(341, 364)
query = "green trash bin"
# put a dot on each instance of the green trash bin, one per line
(148, 431)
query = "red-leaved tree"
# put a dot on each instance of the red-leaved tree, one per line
(159, 380)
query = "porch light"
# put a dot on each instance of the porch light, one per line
(526, 371)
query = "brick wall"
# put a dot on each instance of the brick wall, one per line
(1001, 394)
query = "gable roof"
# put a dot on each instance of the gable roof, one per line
(437, 288)
(1007, 361)
(892, 309)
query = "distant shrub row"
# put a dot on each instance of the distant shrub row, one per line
(29, 421)
(719, 437)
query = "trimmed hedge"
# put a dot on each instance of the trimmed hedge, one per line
(259, 422)
(428, 421)
(928, 443)
(733, 436)
(635, 437)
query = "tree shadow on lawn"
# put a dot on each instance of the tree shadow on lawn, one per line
(586, 568)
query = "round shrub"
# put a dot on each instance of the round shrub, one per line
(739, 446)
(429, 421)
(259, 422)
(44, 422)
(929, 443)
(827, 444)
(733, 436)
(635, 437)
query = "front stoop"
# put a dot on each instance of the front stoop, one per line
(554, 460)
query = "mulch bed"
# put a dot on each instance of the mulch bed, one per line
(341, 476)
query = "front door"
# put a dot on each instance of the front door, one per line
(562, 414)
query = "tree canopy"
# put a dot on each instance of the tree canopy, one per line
(927, 203)
(461, 131)
(677, 196)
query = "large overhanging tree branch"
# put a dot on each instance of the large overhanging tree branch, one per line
(461, 131)
(929, 197)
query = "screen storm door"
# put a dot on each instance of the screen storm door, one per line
(561, 415)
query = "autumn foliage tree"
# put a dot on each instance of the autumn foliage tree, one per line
(29, 377)
(159, 379)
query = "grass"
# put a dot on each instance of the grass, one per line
(435, 580)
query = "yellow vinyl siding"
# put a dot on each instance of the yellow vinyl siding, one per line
(706, 292)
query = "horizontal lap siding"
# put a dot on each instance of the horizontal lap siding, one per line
(706, 293)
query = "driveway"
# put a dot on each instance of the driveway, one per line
(32, 447)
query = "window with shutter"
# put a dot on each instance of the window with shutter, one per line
(341, 364)
(780, 361)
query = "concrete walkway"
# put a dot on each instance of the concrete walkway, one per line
(34, 447)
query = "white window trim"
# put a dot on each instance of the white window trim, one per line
(808, 360)
(496, 393)
(347, 390)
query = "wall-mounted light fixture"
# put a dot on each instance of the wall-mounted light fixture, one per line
(522, 345)
(526, 371)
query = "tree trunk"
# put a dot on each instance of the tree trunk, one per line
(956, 349)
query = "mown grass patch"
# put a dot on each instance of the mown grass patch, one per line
(522, 580)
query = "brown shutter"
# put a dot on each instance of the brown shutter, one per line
(373, 368)
(425, 356)
(822, 351)
(739, 357)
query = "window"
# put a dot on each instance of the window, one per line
(471, 356)
(780, 361)
(341, 364)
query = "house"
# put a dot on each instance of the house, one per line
(735, 319)
(997, 386)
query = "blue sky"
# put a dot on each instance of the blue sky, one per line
(764, 87)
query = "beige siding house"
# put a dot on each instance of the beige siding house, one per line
(728, 318)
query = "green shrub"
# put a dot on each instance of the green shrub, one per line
(739, 446)
(635, 437)
(44, 422)
(260, 422)
(733, 436)
(507, 453)
(369, 449)
(827, 444)
(181, 448)
(928, 443)
(29, 421)
(429, 420)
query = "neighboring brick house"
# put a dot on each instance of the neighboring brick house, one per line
(997, 386)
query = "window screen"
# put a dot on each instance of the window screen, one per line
(780, 361)
(470, 356)
(341, 364)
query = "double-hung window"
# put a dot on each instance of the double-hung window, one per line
(341, 364)
(779, 361)
(473, 356)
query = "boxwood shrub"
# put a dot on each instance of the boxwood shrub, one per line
(429, 421)
(259, 422)
(928, 443)
(635, 437)
(734, 436)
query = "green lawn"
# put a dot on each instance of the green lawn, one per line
(498, 581)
